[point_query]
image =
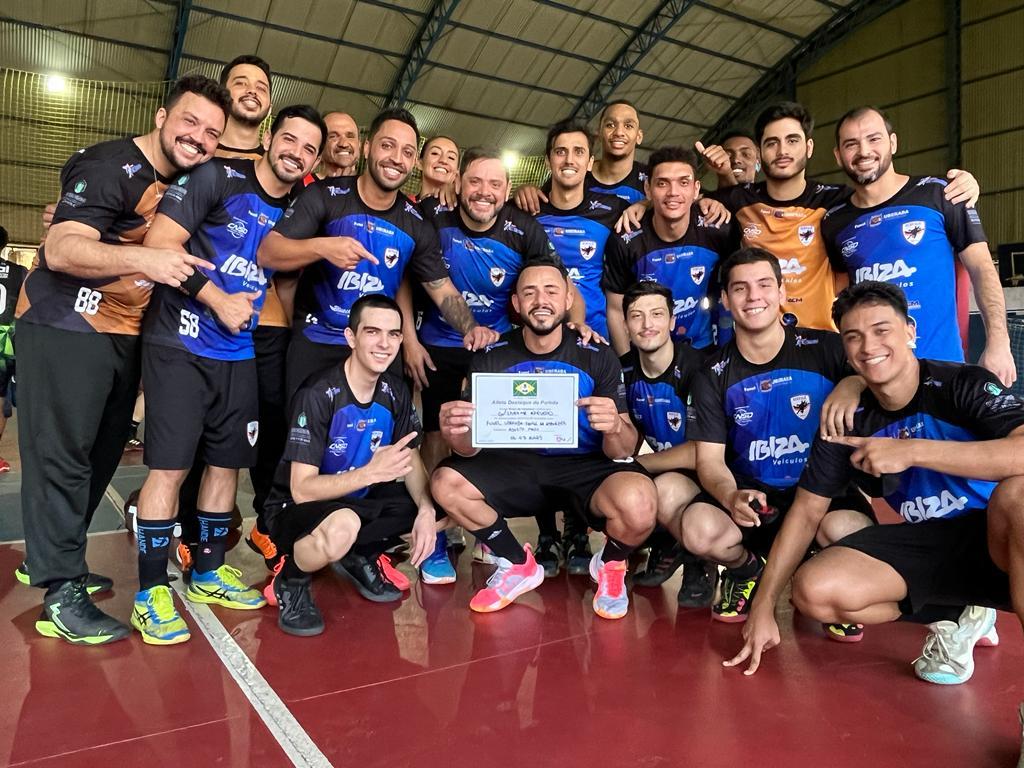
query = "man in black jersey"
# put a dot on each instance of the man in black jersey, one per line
(479, 490)
(351, 477)
(742, 156)
(658, 374)
(943, 443)
(247, 79)
(358, 237)
(80, 311)
(12, 276)
(757, 404)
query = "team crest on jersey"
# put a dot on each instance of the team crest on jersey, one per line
(765, 385)
(675, 420)
(497, 276)
(913, 231)
(801, 405)
(390, 257)
(587, 249)
(806, 234)
(375, 437)
(252, 432)
(697, 273)
(361, 425)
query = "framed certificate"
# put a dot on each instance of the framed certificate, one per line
(525, 410)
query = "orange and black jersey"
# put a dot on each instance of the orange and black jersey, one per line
(114, 189)
(791, 229)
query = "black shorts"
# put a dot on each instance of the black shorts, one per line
(452, 365)
(943, 562)
(193, 401)
(385, 511)
(518, 483)
(271, 347)
(306, 358)
(759, 539)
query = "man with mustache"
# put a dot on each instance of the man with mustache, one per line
(81, 311)
(744, 159)
(341, 153)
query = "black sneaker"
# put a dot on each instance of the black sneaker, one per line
(94, 582)
(549, 554)
(700, 578)
(70, 615)
(297, 613)
(662, 564)
(367, 577)
(578, 555)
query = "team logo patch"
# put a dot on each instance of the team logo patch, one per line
(390, 257)
(524, 387)
(801, 405)
(361, 425)
(375, 438)
(252, 432)
(903, 433)
(742, 416)
(697, 274)
(765, 385)
(913, 231)
(80, 186)
(301, 421)
(587, 249)
(497, 276)
(675, 420)
(338, 446)
(131, 168)
(992, 389)
(806, 234)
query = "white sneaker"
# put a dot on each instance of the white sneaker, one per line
(948, 654)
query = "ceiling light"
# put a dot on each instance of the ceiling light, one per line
(510, 159)
(56, 83)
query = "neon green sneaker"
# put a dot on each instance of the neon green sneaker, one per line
(224, 587)
(94, 582)
(70, 615)
(156, 617)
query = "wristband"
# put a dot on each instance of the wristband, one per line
(194, 283)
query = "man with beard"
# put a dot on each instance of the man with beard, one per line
(358, 238)
(81, 311)
(480, 490)
(341, 153)
(901, 229)
(247, 79)
(198, 363)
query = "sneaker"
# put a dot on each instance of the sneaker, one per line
(611, 601)
(438, 569)
(183, 553)
(662, 564)
(5, 466)
(700, 577)
(392, 574)
(549, 554)
(133, 445)
(507, 583)
(94, 582)
(844, 633)
(367, 577)
(70, 615)
(482, 554)
(156, 617)
(297, 614)
(224, 587)
(578, 555)
(734, 603)
(948, 654)
(261, 544)
(456, 537)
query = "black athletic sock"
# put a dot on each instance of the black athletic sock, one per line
(750, 569)
(929, 614)
(154, 539)
(290, 570)
(547, 523)
(501, 541)
(213, 532)
(135, 430)
(615, 550)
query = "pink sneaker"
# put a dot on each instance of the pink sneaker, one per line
(611, 601)
(4, 466)
(507, 583)
(392, 574)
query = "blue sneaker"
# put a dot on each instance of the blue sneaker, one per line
(438, 569)
(155, 616)
(224, 587)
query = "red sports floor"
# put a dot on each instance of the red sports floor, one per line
(427, 683)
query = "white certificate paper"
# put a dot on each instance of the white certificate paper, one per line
(525, 410)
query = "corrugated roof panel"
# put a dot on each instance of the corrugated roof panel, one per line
(687, 66)
(127, 20)
(728, 35)
(361, 70)
(221, 39)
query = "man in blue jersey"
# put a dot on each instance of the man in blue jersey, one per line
(199, 367)
(479, 490)
(658, 374)
(675, 246)
(942, 443)
(351, 478)
(757, 404)
(356, 238)
(901, 229)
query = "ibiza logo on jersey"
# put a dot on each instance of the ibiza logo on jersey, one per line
(497, 276)
(338, 446)
(587, 249)
(390, 257)
(477, 300)
(913, 231)
(919, 508)
(238, 229)
(776, 447)
(363, 283)
(575, 275)
(885, 272)
(801, 405)
(338, 191)
(792, 266)
(510, 227)
(239, 266)
(675, 420)
(375, 437)
(742, 415)
(131, 168)
(697, 274)
(682, 306)
(252, 432)
(806, 234)
(849, 248)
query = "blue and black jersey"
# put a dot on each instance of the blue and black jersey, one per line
(398, 237)
(226, 211)
(658, 405)
(688, 268)
(596, 365)
(955, 402)
(630, 188)
(767, 415)
(332, 430)
(579, 235)
(483, 266)
(912, 241)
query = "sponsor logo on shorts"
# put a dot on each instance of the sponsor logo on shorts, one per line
(252, 432)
